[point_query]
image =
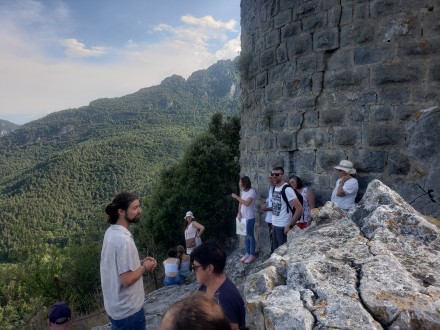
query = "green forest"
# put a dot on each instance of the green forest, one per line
(175, 144)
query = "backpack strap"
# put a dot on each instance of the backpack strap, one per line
(283, 194)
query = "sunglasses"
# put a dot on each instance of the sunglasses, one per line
(275, 174)
(194, 267)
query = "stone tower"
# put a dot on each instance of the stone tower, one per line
(325, 80)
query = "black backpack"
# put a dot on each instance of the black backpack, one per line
(283, 194)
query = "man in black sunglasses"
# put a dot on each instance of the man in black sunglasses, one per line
(282, 219)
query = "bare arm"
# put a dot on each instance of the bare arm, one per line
(200, 228)
(295, 203)
(246, 202)
(340, 192)
(130, 277)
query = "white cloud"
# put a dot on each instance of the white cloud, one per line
(74, 48)
(33, 84)
(209, 22)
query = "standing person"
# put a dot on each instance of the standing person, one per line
(308, 201)
(121, 269)
(282, 218)
(184, 263)
(345, 191)
(208, 263)
(246, 211)
(171, 266)
(60, 316)
(193, 231)
(266, 206)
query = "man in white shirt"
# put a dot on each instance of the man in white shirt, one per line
(121, 269)
(282, 218)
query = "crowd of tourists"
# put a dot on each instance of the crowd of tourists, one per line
(218, 303)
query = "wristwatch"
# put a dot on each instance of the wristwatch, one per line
(291, 226)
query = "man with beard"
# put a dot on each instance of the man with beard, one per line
(121, 268)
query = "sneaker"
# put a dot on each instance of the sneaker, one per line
(250, 260)
(244, 258)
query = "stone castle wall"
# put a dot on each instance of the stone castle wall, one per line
(325, 80)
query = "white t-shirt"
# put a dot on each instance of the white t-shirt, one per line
(350, 189)
(280, 217)
(247, 212)
(190, 232)
(119, 255)
(269, 205)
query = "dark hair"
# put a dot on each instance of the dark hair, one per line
(121, 202)
(210, 253)
(172, 253)
(197, 311)
(246, 182)
(299, 183)
(278, 169)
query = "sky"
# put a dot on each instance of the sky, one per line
(60, 54)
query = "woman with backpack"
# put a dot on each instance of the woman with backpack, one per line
(308, 201)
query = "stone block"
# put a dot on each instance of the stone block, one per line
(283, 18)
(307, 64)
(286, 4)
(425, 94)
(434, 71)
(340, 59)
(380, 113)
(303, 160)
(332, 117)
(312, 138)
(291, 29)
(311, 118)
(334, 16)
(373, 54)
(315, 22)
(358, 115)
(262, 161)
(268, 58)
(307, 8)
(398, 164)
(420, 48)
(381, 8)
(282, 53)
(267, 141)
(346, 78)
(431, 26)
(283, 71)
(406, 112)
(261, 79)
(254, 143)
(305, 101)
(393, 95)
(287, 140)
(295, 121)
(279, 122)
(395, 27)
(273, 38)
(273, 91)
(371, 161)
(330, 4)
(384, 135)
(382, 74)
(361, 11)
(347, 137)
(260, 45)
(346, 15)
(299, 45)
(326, 160)
(362, 98)
(326, 40)
(296, 87)
(317, 82)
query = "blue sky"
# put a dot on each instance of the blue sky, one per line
(59, 54)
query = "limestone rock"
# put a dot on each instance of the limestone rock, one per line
(374, 267)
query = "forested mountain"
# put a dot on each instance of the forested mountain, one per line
(7, 126)
(56, 173)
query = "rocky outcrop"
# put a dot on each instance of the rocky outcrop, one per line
(375, 267)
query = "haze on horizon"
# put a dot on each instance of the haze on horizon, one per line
(59, 54)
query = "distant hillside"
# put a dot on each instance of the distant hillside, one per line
(7, 127)
(57, 172)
